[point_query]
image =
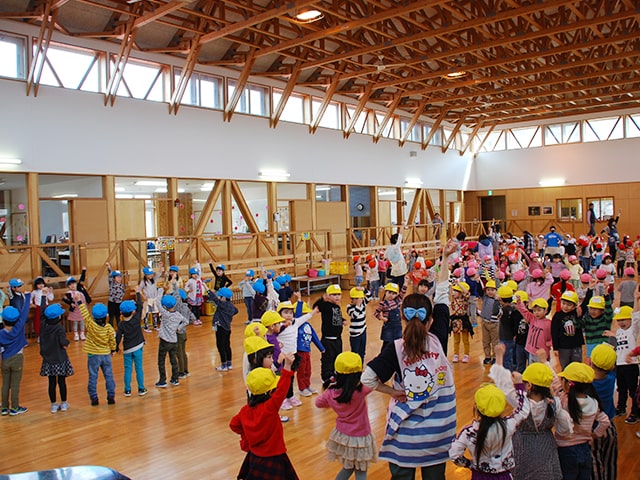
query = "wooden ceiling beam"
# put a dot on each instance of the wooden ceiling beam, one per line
(358, 111)
(413, 121)
(390, 111)
(159, 12)
(452, 137)
(434, 129)
(325, 103)
(288, 90)
(239, 88)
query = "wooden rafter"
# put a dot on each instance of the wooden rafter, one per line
(120, 62)
(288, 90)
(413, 121)
(42, 45)
(387, 117)
(434, 129)
(239, 88)
(452, 137)
(359, 109)
(325, 103)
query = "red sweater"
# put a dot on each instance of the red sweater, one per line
(259, 427)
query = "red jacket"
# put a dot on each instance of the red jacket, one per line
(556, 292)
(259, 427)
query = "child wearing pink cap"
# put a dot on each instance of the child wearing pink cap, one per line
(572, 263)
(627, 287)
(540, 285)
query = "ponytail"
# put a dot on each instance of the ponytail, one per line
(415, 333)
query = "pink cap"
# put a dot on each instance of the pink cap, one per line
(519, 275)
(458, 272)
(471, 271)
(459, 260)
(534, 255)
(486, 258)
(472, 264)
(565, 274)
(601, 274)
(629, 271)
(585, 278)
(501, 275)
(572, 258)
(537, 273)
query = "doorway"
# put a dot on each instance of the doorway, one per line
(493, 207)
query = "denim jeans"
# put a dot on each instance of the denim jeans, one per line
(248, 302)
(520, 358)
(575, 462)
(508, 354)
(136, 359)
(100, 362)
(359, 344)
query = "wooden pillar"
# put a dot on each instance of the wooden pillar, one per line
(399, 210)
(172, 220)
(272, 206)
(33, 220)
(311, 195)
(374, 207)
(444, 211)
(227, 218)
(109, 194)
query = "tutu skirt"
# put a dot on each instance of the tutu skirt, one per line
(352, 452)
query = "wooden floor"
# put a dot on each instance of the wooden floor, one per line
(182, 432)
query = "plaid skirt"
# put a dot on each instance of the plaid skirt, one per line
(278, 467)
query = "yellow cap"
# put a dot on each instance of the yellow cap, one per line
(578, 372)
(392, 287)
(334, 290)
(261, 380)
(596, 302)
(461, 287)
(283, 305)
(270, 318)
(356, 293)
(538, 374)
(490, 284)
(623, 313)
(604, 356)
(524, 296)
(512, 284)
(490, 400)
(348, 362)
(540, 302)
(255, 329)
(255, 344)
(570, 296)
(505, 292)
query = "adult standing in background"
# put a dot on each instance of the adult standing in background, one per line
(438, 224)
(394, 255)
(529, 243)
(552, 241)
(591, 220)
(613, 237)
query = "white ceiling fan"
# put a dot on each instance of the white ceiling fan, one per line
(380, 65)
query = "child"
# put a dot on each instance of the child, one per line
(40, 292)
(172, 321)
(475, 292)
(627, 288)
(575, 270)
(490, 314)
(388, 312)
(260, 301)
(585, 285)
(460, 325)
(605, 449)
(488, 438)
(357, 311)
(626, 335)
(221, 279)
(539, 336)
(561, 286)
(417, 275)
(174, 282)
(151, 295)
(53, 350)
(508, 326)
(357, 269)
(373, 277)
(332, 323)
(100, 344)
(116, 295)
(16, 296)
(306, 335)
(566, 330)
(133, 346)
(185, 311)
(520, 355)
(580, 399)
(286, 292)
(196, 290)
(246, 287)
(12, 342)
(260, 428)
(75, 295)
(596, 319)
(383, 264)
(540, 285)
(225, 311)
(351, 441)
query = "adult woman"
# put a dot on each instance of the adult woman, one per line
(422, 410)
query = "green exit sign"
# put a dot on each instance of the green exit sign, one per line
(490, 192)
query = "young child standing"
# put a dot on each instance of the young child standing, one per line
(490, 315)
(357, 311)
(12, 342)
(351, 441)
(117, 291)
(225, 311)
(195, 289)
(151, 295)
(306, 336)
(460, 325)
(133, 345)
(55, 361)
(596, 319)
(100, 344)
(40, 291)
(539, 336)
(76, 295)
(172, 321)
(260, 428)
(627, 288)
(332, 324)
(373, 277)
(358, 272)
(566, 330)
(388, 312)
(246, 288)
(221, 279)
(508, 326)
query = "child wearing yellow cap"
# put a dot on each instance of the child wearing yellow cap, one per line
(331, 331)
(388, 312)
(259, 425)
(351, 441)
(566, 330)
(357, 311)
(490, 315)
(460, 325)
(539, 336)
(489, 437)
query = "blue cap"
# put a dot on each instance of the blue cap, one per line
(183, 294)
(147, 271)
(116, 273)
(53, 311)
(193, 271)
(127, 307)
(221, 267)
(225, 292)
(288, 277)
(168, 301)
(71, 280)
(250, 273)
(276, 285)
(173, 268)
(15, 282)
(282, 280)
(99, 311)
(259, 287)
(10, 314)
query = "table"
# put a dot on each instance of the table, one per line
(313, 283)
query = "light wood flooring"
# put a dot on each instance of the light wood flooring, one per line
(182, 432)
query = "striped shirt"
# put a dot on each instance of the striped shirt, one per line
(358, 316)
(101, 340)
(593, 328)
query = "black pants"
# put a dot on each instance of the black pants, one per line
(627, 380)
(399, 280)
(440, 325)
(196, 310)
(114, 314)
(165, 348)
(61, 381)
(332, 348)
(223, 341)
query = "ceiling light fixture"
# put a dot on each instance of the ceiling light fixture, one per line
(274, 175)
(551, 182)
(456, 74)
(10, 161)
(413, 183)
(307, 15)
(151, 183)
(65, 195)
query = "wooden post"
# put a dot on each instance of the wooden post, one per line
(33, 221)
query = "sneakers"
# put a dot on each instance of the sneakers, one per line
(286, 405)
(127, 393)
(111, 401)
(295, 401)
(95, 401)
(142, 392)
(161, 384)
(17, 411)
(54, 407)
(621, 412)
(197, 323)
(285, 419)
(312, 390)
(76, 336)
(631, 419)
(183, 375)
(5, 411)
(465, 359)
(229, 366)
(486, 361)
(305, 393)
(82, 336)
(175, 382)
(222, 368)
(64, 406)
(147, 330)
(637, 433)
(456, 358)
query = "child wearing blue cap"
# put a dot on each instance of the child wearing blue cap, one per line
(133, 344)
(76, 295)
(151, 295)
(225, 310)
(116, 295)
(181, 307)
(53, 350)
(12, 341)
(196, 290)
(172, 321)
(100, 344)
(221, 279)
(246, 287)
